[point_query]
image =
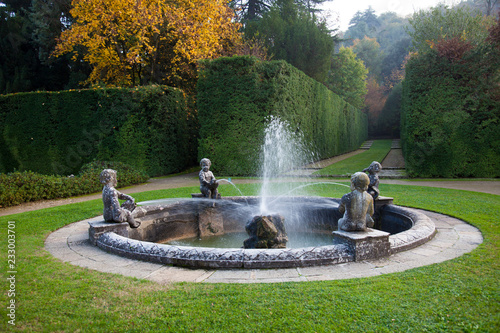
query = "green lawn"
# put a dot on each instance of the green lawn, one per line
(377, 152)
(460, 295)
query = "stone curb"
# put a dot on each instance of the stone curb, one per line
(222, 258)
(452, 239)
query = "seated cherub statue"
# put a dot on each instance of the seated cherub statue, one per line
(208, 183)
(357, 206)
(113, 212)
(373, 171)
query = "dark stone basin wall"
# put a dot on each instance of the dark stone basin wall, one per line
(393, 221)
(183, 219)
(200, 218)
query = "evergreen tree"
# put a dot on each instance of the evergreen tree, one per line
(347, 77)
(368, 50)
(290, 33)
(27, 37)
(17, 55)
(363, 24)
(249, 10)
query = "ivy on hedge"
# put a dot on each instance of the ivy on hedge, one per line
(236, 95)
(152, 128)
(450, 116)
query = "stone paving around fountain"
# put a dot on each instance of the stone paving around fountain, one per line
(453, 239)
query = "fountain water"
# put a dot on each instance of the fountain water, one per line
(283, 150)
(234, 185)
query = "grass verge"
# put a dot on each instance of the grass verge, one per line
(377, 152)
(460, 295)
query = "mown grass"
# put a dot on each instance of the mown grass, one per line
(377, 152)
(460, 295)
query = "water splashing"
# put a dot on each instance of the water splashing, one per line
(236, 187)
(283, 150)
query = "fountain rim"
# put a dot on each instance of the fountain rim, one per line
(423, 230)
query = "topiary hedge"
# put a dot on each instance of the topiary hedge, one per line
(450, 121)
(18, 187)
(236, 95)
(152, 128)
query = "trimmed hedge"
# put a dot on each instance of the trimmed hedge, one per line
(450, 120)
(236, 95)
(18, 187)
(152, 128)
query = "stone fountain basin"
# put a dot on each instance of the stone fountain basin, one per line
(399, 228)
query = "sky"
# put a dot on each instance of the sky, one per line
(344, 10)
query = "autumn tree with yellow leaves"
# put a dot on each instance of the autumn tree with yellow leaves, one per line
(134, 42)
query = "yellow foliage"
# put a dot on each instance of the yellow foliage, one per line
(123, 40)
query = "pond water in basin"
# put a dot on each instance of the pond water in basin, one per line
(235, 240)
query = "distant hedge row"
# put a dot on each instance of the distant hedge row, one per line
(151, 128)
(450, 121)
(237, 94)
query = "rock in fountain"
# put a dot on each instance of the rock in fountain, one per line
(266, 232)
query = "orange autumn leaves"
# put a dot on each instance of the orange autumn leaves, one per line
(130, 42)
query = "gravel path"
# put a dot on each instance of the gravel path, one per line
(393, 160)
(486, 186)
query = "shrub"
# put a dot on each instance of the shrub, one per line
(450, 121)
(26, 186)
(450, 106)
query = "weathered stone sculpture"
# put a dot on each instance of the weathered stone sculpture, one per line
(357, 206)
(266, 232)
(208, 183)
(373, 171)
(113, 212)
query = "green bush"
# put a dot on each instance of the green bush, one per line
(18, 187)
(450, 121)
(236, 95)
(152, 128)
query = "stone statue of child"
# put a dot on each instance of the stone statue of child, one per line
(113, 212)
(373, 171)
(208, 183)
(357, 206)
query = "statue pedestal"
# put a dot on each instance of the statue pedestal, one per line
(201, 196)
(364, 245)
(378, 205)
(97, 228)
(382, 201)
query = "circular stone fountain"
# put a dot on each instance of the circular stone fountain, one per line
(399, 229)
(163, 222)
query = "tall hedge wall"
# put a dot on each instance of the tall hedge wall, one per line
(450, 121)
(152, 128)
(235, 96)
